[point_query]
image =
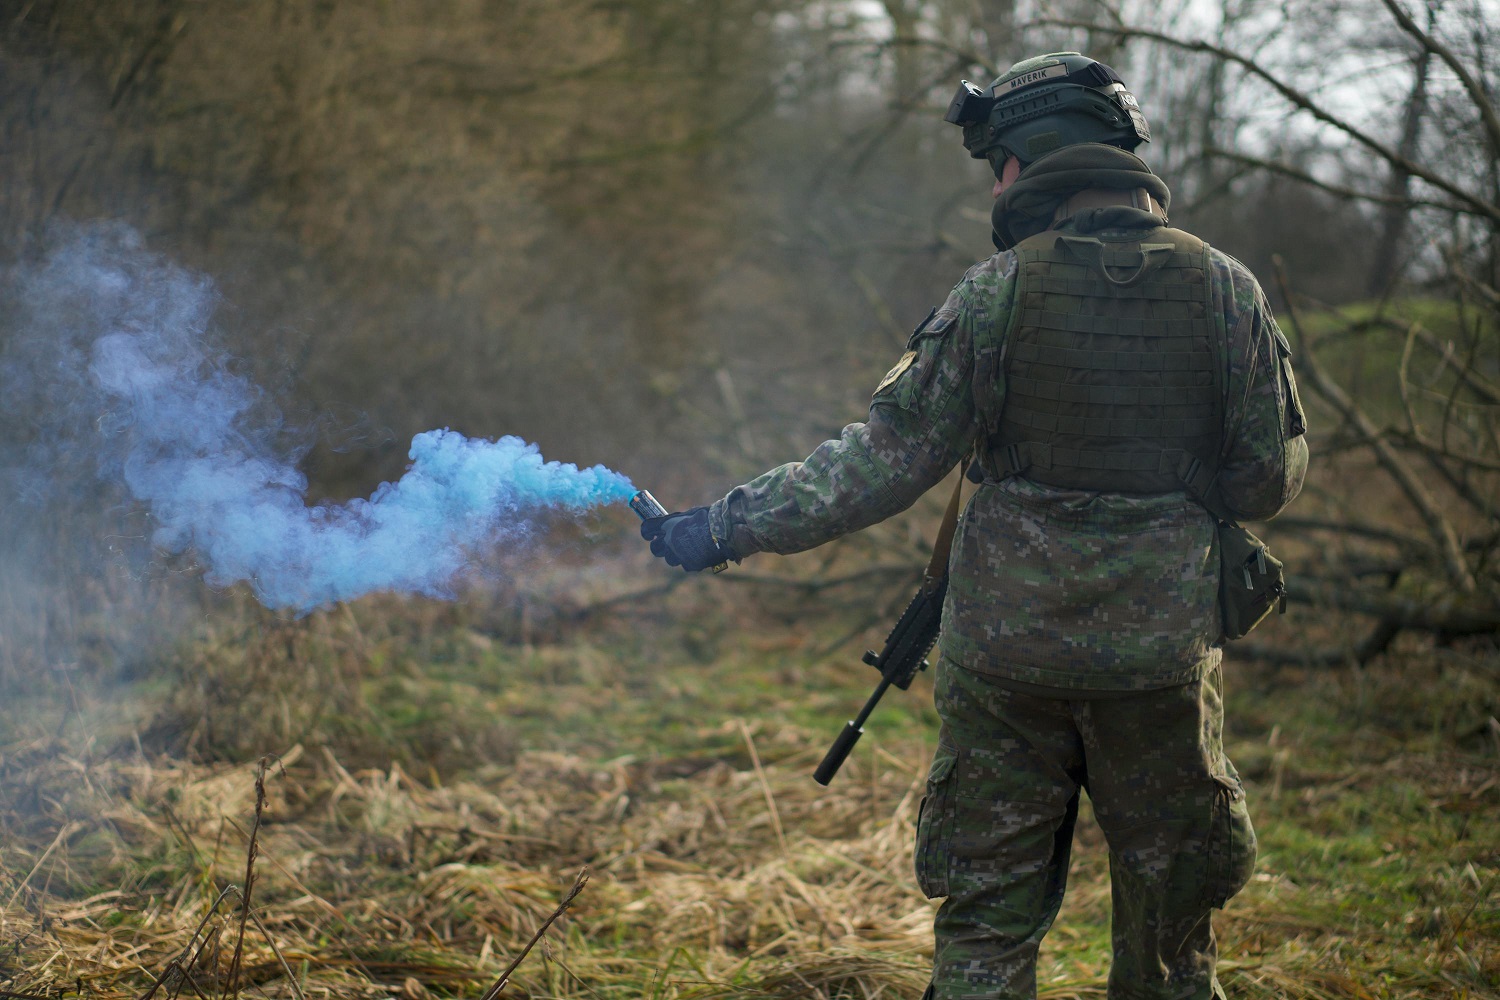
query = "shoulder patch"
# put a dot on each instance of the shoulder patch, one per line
(901, 366)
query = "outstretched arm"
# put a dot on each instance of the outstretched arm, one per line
(921, 424)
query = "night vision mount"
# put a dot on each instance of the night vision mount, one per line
(1044, 103)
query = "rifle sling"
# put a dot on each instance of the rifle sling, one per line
(937, 568)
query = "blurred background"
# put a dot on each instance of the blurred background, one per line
(685, 239)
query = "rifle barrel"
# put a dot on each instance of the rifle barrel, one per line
(852, 731)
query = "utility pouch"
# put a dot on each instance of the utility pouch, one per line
(1251, 582)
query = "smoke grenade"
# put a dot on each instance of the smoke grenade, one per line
(111, 356)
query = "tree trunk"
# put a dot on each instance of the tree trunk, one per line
(1395, 218)
(904, 18)
(997, 19)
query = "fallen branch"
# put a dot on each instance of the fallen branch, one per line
(809, 585)
(567, 901)
(1377, 642)
(1437, 525)
(629, 597)
(1295, 523)
(1444, 616)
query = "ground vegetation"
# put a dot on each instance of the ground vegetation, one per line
(685, 240)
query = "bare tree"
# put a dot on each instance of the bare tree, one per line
(1395, 214)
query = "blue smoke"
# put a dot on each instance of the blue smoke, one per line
(122, 338)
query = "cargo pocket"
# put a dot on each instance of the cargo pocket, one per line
(935, 825)
(1231, 841)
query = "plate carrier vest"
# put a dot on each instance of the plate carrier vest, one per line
(1112, 365)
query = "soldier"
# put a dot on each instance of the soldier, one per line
(1115, 379)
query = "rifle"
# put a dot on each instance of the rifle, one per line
(906, 648)
(904, 655)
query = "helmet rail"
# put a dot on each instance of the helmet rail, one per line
(1044, 103)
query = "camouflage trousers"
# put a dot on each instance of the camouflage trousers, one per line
(996, 828)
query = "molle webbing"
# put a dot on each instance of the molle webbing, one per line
(1110, 364)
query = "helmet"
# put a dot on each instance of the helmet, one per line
(1045, 103)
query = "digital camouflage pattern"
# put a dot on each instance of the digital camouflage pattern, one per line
(996, 827)
(1080, 648)
(1066, 589)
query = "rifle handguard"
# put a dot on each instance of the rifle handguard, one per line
(913, 636)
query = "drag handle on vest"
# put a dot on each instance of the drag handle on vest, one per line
(645, 505)
(904, 655)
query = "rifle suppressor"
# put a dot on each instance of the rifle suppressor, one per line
(904, 655)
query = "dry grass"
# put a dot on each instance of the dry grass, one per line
(719, 869)
(370, 879)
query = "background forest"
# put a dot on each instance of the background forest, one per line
(685, 239)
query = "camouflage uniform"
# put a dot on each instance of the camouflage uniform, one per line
(1081, 647)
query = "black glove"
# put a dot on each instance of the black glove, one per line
(685, 539)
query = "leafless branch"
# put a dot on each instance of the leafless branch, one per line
(1377, 642)
(1481, 387)
(1474, 87)
(1487, 293)
(899, 113)
(1302, 176)
(1471, 378)
(1437, 525)
(1460, 484)
(286, 969)
(1300, 100)
(1208, 197)
(1403, 383)
(1414, 439)
(964, 56)
(1293, 522)
(251, 851)
(183, 959)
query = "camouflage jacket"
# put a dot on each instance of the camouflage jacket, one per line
(1059, 588)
